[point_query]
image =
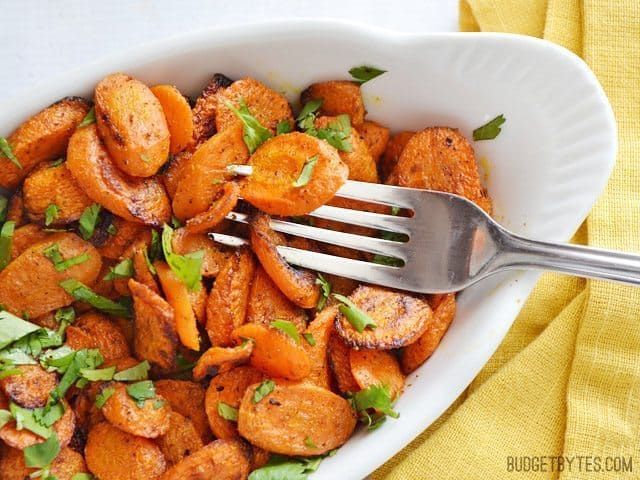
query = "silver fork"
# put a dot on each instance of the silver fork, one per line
(451, 244)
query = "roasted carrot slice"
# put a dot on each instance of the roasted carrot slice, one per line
(181, 439)
(177, 111)
(316, 340)
(186, 398)
(134, 199)
(399, 318)
(259, 457)
(414, 355)
(323, 420)
(218, 210)
(394, 148)
(221, 359)
(204, 111)
(132, 125)
(205, 173)
(117, 455)
(66, 465)
(228, 388)
(338, 96)
(25, 236)
(439, 158)
(376, 367)
(126, 233)
(176, 293)
(42, 137)
(293, 174)
(172, 172)
(141, 270)
(31, 388)
(375, 136)
(16, 211)
(338, 352)
(93, 330)
(298, 285)
(275, 353)
(267, 303)
(227, 302)
(221, 459)
(215, 257)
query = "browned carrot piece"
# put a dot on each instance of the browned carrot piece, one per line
(141, 270)
(338, 96)
(322, 418)
(218, 210)
(176, 293)
(178, 114)
(126, 234)
(267, 303)
(275, 353)
(229, 388)
(134, 199)
(227, 302)
(222, 460)
(399, 318)
(376, 367)
(186, 398)
(132, 125)
(417, 353)
(66, 465)
(375, 136)
(204, 123)
(319, 331)
(340, 364)
(205, 172)
(16, 212)
(266, 105)
(42, 137)
(214, 256)
(298, 285)
(392, 153)
(441, 159)
(25, 236)
(172, 173)
(31, 388)
(181, 439)
(117, 455)
(156, 337)
(259, 457)
(93, 330)
(221, 359)
(293, 174)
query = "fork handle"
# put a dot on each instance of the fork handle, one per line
(575, 260)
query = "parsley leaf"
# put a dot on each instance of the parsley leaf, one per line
(98, 374)
(308, 114)
(283, 126)
(52, 252)
(124, 269)
(103, 396)
(141, 391)
(489, 130)
(337, 134)
(309, 443)
(377, 397)
(5, 417)
(82, 476)
(280, 467)
(26, 420)
(287, 328)
(155, 249)
(72, 365)
(254, 134)
(365, 73)
(325, 291)
(227, 412)
(57, 163)
(7, 151)
(309, 338)
(35, 342)
(137, 372)
(42, 455)
(50, 214)
(89, 220)
(307, 171)
(112, 229)
(4, 207)
(89, 118)
(13, 328)
(81, 292)
(188, 268)
(356, 317)
(6, 239)
(264, 389)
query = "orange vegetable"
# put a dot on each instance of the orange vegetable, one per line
(186, 398)
(204, 123)
(141, 270)
(215, 256)
(392, 152)
(221, 359)
(320, 330)
(181, 439)
(178, 114)
(126, 233)
(376, 367)
(16, 212)
(31, 388)
(172, 172)
(67, 464)
(218, 210)
(338, 96)
(375, 136)
(93, 330)
(222, 460)
(338, 352)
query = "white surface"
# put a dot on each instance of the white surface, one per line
(545, 169)
(41, 38)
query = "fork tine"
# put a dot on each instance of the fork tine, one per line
(379, 221)
(228, 240)
(343, 239)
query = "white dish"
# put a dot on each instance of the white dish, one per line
(544, 171)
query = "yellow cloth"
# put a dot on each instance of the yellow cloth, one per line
(566, 379)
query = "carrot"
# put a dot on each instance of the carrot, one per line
(376, 367)
(181, 439)
(66, 465)
(31, 388)
(415, 354)
(126, 234)
(441, 159)
(259, 457)
(132, 125)
(177, 295)
(274, 352)
(178, 114)
(134, 199)
(204, 124)
(375, 136)
(141, 270)
(293, 174)
(117, 455)
(266, 105)
(222, 460)
(340, 364)
(399, 318)
(93, 330)
(319, 331)
(184, 242)
(26, 236)
(338, 96)
(204, 174)
(172, 172)
(198, 299)
(186, 398)
(16, 212)
(298, 285)
(221, 359)
(217, 211)
(392, 152)
(267, 302)
(323, 420)
(227, 302)
(148, 420)
(156, 337)
(228, 388)
(42, 137)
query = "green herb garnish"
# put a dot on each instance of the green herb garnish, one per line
(141, 391)
(307, 171)
(13, 328)
(137, 372)
(308, 114)
(337, 133)
(81, 292)
(6, 239)
(50, 214)
(254, 134)
(283, 126)
(89, 118)
(227, 412)
(489, 130)
(42, 455)
(188, 267)
(287, 328)
(88, 221)
(103, 396)
(365, 73)
(124, 269)
(264, 389)
(356, 317)
(309, 338)
(52, 252)
(378, 398)
(309, 443)
(7, 151)
(98, 374)
(325, 291)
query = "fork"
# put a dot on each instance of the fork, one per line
(452, 243)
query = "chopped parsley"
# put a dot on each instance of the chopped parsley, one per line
(308, 114)
(13, 328)
(188, 267)
(283, 126)
(42, 455)
(104, 395)
(137, 372)
(359, 319)
(325, 291)
(124, 269)
(378, 398)
(307, 171)
(365, 73)
(309, 443)
(141, 391)
(6, 239)
(88, 221)
(227, 412)
(254, 134)
(7, 151)
(489, 130)
(98, 374)
(88, 119)
(50, 214)
(264, 389)
(52, 252)
(309, 338)
(287, 328)
(81, 292)
(337, 133)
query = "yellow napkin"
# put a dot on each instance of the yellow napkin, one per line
(566, 380)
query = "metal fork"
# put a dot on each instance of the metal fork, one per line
(451, 245)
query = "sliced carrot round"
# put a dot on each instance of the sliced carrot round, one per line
(221, 359)
(217, 211)
(376, 367)
(178, 114)
(340, 364)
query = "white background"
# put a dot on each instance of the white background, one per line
(43, 38)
